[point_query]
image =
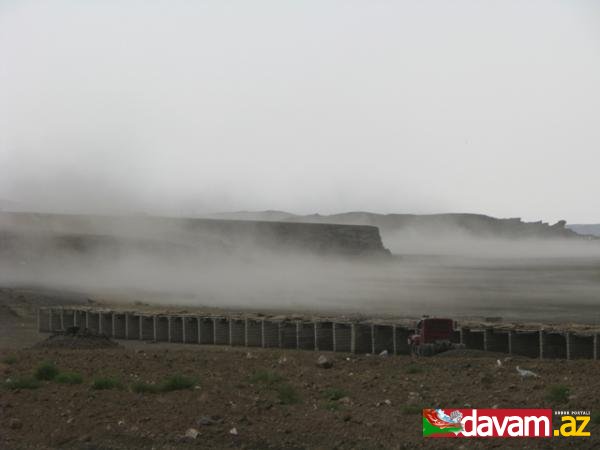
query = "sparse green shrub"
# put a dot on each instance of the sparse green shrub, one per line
(68, 378)
(334, 394)
(46, 371)
(140, 387)
(287, 394)
(267, 377)
(21, 383)
(106, 383)
(332, 406)
(9, 359)
(177, 382)
(411, 409)
(413, 368)
(557, 393)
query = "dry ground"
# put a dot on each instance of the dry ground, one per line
(274, 399)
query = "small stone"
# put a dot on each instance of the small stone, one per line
(384, 353)
(388, 402)
(192, 433)
(345, 400)
(15, 424)
(324, 363)
(233, 431)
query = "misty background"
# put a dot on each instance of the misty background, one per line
(210, 109)
(189, 108)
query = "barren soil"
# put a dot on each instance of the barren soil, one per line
(274, 399)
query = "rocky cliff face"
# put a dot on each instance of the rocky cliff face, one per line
(478, 225)
(28, 232)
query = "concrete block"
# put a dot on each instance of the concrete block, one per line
(79, 318)
(495, 341)
(221, 329)
(119, 326)
(288, 334)
(525, 343)
(175, 329)
(237, 331)
(190, 330)
(342, 337)
(55, 319)
(147, 328)
(324, 336)
(68, 318)
(472, 339)
(93, 321)
(553, 345)
(383, 339)
(580, 346)
(253, 333)
(43, 320)
(106, 323)
(270, 333)
(306, 335)
(401, 340)
(206, 333)
(361, 338)
(132, 326)
(162, 328)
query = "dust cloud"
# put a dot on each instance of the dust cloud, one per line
(170, 262)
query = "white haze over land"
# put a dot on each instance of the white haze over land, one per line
(186, 108)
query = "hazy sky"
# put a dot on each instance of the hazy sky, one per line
(307, 106)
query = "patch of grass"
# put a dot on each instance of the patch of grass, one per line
(332, 406)
(334, 394)
(10, 359)
(22, 383)
(287, 394)
(106, 383)
(267, 377)
(413, 368)
(595, 417)
(557, 393)
(176, 383)
(68, 378)
(46, 371)
(140, 387)
(411, 409)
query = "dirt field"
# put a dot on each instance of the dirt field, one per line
(274, 399)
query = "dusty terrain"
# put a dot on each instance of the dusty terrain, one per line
(273, 398)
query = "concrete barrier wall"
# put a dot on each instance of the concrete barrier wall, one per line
(525, 343)
(206, 333)
(221, 330)
(495, 341)
(190, 330)
(288, 334)
(119, 326)
(383, 339)
(147, 328)
(362, 338)
(358, 337)
(306, 335)
(68, 318)
(237, 332)
(342, 337)
(253, 333)
(324, 336)
(270, 334)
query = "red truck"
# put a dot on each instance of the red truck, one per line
(432, 336)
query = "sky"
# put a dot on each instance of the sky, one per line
(185, 108)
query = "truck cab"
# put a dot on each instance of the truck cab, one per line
(432, 336)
